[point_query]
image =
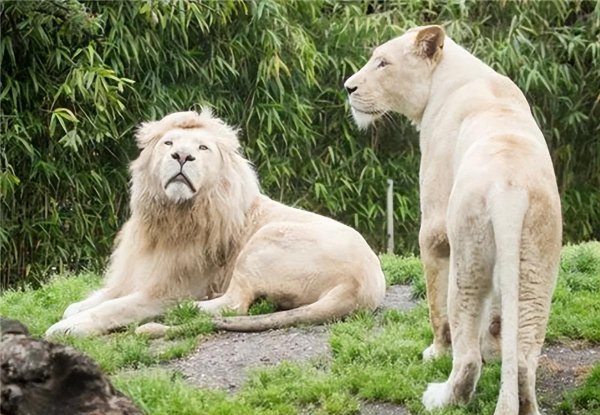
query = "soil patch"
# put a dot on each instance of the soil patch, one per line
(222, 360)
(563, 367)
(382, 408)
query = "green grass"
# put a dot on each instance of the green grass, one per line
(39, 309)
(376, 357)
(575, 311)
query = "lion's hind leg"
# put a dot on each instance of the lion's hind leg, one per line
(336, 303)
(238, 298)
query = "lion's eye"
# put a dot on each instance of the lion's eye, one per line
(203, 147)
(168, 143)
(382, 63)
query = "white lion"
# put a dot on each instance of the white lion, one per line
(199, 225)
(491, 226)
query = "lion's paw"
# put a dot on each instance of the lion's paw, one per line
(436, 396)
(73, 309)
(72, 326)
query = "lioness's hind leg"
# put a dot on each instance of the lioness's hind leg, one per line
(435, 252)
(534, 307)
(470, 281)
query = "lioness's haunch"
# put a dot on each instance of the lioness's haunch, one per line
(491, 226)
(199, 226)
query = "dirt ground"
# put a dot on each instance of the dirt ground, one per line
(224, 359)
(561, 368)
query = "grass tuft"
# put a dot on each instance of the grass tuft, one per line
(404, 270)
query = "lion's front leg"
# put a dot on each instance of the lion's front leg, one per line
(93, 300)
(435, 252)
(109, 315)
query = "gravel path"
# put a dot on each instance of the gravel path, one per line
(223, 360)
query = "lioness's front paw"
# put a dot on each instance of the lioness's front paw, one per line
(436, 396)
(73, 326)
(433, 352)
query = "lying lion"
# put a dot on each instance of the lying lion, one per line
(491, 224)
(199, 225)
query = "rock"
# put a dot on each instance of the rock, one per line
(40, 377)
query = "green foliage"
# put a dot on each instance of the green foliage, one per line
(77, 76)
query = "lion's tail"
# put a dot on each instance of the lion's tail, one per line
(508, 208)
(334, 304)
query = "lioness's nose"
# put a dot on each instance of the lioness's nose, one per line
(350, 89)
(182, 158)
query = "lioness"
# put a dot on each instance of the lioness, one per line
(491, 221)
(199, 225)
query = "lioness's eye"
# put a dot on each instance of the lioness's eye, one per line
(168, 143)
(203, 147)
(382, 63)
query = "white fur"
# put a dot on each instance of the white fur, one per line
(484, 250)
(218, 236)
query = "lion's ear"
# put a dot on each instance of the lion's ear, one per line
(146, 133)
(430, 42)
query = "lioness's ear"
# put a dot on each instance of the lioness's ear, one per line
(430, 42)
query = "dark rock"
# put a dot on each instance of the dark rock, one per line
(40, 377)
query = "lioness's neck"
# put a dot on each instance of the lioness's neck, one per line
(456, 68)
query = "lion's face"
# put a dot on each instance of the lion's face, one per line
(182, 155)
(185, 161)
(397, 77)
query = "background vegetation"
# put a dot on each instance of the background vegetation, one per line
(77, 76)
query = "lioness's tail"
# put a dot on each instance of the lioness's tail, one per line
(335, 304)
(508, 208)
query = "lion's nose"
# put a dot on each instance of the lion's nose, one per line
(351, 89)
(182, 158)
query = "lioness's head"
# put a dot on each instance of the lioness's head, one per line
(397, 77)
(182, 154)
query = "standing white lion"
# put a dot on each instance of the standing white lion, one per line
(491, 225)
(199, 225)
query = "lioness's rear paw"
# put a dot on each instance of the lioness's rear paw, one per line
(436, 396)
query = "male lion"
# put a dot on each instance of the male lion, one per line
(199, 224)
(491, 227)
